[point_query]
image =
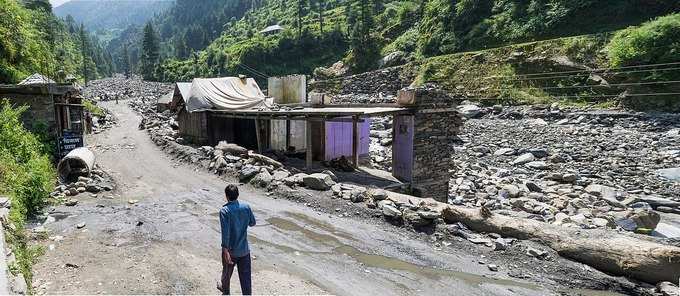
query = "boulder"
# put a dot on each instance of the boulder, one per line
(232, 149)
(469, 111)
(645, 218)
(281, 175)
(415, 219)
(667, 289)
(524, 158)
(504, 151)
(537, 165)
(247, 173)
(390, 211)
(377, 194)
(318, 181)
(263, 179)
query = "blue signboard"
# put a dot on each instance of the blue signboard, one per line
(68, 142)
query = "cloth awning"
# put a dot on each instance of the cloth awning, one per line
(227, 93)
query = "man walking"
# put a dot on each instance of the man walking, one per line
(235, 218)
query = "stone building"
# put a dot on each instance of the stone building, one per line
(423, 141)
(53, 108)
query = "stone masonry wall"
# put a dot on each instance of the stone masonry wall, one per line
(40, 110)
(436, 123)
(387, 81)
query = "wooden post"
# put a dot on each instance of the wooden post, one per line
(287, 135)
(308, 132)
(258, 131)
(355, 141)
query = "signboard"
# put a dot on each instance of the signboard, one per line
(69, 142)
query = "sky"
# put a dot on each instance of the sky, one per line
(56, 3)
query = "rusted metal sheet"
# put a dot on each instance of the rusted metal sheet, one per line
(402, 148)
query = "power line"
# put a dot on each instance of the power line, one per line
(258, 73)
(577, 75)
(606, 85)
(613, 96)
(583, 71)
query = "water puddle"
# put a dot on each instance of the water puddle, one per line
(378, 261)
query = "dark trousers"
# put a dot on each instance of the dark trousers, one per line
(243, 265)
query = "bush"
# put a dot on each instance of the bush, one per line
(653, 42)
(26, 172)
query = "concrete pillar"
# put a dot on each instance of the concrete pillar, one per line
(435, 125)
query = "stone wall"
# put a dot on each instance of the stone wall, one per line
(387, 81)
(40, 112)
(436, 124)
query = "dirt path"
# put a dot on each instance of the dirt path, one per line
(168, 242)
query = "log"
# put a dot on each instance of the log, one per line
(634, 256)
(264, 159)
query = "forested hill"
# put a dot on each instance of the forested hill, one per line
(321, 32)
(111, 15)
(33, 40)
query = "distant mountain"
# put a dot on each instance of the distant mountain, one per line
(111, 15)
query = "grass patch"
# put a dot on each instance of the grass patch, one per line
(93, 108)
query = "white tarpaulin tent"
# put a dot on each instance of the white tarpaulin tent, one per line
(227, 93)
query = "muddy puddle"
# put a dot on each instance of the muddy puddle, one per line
(371, 260)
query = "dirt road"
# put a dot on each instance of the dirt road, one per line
(168, 241)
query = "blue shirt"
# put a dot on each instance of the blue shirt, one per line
(235, 217)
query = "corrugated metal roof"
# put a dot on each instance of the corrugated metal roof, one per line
(36, 79)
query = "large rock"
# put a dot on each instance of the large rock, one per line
(247, 173)
(390, 211)
(232, 149)
(393, 59)
(469, 111)
(610, 195)
(524, 158)
(672, 174)
(645, 218)
(263, 179)
(415, 219)
(318, 181)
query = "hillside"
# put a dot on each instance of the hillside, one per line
(111, 16)
(33, 40)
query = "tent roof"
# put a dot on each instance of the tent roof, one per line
(271, 29)
(36, 79)
(226, 93)
(184, 89)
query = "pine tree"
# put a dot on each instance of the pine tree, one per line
(321, 9)
(150, 51)
(126, 61)
(300, 14)
(365, 49)
(349, 13)
(85, 52)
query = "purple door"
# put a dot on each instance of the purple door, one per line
(339, 139)
(402, 147)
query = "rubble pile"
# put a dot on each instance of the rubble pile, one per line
(97, 182)
(569, 167)
(121, 88)
(380, 147)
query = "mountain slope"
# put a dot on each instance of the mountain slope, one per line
(101, 15)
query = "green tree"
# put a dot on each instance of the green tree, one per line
(86, 54)
(320, 10)
(436, 30)
(301, 12)
(127, 67)
(365, 49)
(150, 52)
